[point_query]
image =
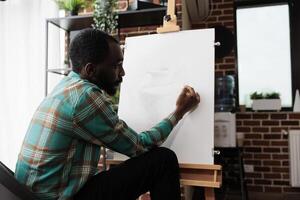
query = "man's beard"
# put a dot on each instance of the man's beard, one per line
(110, 88)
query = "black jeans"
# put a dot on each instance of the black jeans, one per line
(156, 171)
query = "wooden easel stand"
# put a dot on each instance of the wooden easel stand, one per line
(207, 176)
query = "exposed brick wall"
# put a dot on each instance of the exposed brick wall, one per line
(221, 14)
(266, 148)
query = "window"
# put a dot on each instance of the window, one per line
(263, 51)
(22, 63)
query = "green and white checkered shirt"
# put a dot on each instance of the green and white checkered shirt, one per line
(61, 149)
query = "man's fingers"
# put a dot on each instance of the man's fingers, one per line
(193, 91)
(185, 90)
(189, 91)
(198, 97)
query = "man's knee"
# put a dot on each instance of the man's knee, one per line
(166, 154)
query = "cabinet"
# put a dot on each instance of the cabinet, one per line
(146, 14)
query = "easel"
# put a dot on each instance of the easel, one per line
(199, 175)
(170, 20)
(207, 176)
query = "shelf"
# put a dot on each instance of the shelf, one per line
(147, 14)
(72, 23)
(146, 17)
(61, 71)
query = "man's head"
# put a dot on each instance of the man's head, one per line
(97, 57)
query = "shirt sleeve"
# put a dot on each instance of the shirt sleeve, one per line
(96, 122)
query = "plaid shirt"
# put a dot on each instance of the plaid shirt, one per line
(61, 149)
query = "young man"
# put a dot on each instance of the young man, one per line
(61, 150)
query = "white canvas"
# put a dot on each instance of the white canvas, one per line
(157, 68)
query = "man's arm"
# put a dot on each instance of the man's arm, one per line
(96, 122)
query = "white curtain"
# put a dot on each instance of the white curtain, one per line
(22, 68)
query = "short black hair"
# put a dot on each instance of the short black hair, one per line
(89, 46)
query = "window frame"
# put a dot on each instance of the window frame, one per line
(294, 69)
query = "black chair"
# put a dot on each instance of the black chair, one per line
(10, 188)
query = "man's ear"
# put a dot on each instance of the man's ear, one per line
(88, 70)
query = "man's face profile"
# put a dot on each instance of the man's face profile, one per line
(109, 73)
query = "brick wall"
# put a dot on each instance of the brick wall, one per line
(266, 148)
(222, 13)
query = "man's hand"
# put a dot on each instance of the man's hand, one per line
(186, 101)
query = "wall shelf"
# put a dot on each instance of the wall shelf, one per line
(146, 14)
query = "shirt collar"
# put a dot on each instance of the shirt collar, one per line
(73, 74)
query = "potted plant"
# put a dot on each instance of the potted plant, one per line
(105, 16)
(71, 6)
(266, 101)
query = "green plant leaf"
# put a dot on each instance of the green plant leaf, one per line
(105, 18)
(71, 5)
(272, 95)
(256, 95)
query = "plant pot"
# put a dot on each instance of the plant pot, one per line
(266, 104)
(72, 13)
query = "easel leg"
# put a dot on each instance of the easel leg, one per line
(209, 193)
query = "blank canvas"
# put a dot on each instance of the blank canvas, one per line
(157, 68)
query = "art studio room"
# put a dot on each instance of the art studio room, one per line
(150, 99)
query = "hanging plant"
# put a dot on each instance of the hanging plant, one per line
(105, 17)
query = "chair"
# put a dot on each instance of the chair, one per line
(10, 188)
